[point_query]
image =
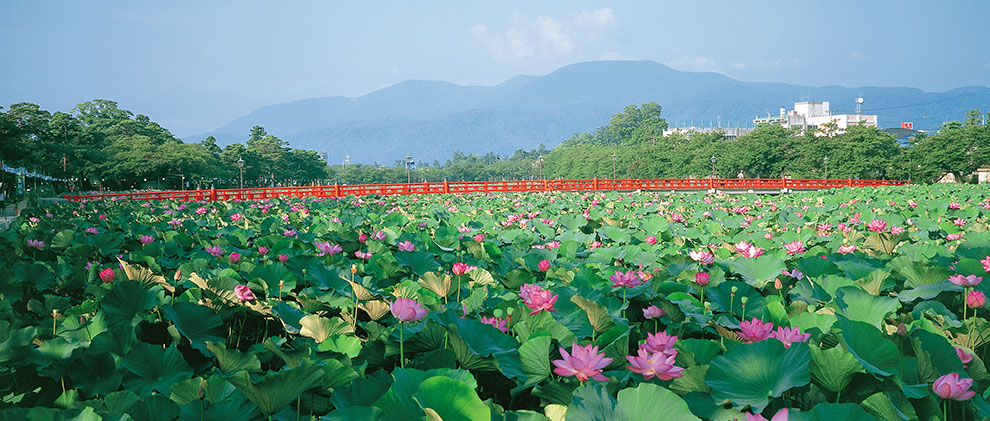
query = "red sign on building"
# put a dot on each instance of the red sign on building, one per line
(907, 125)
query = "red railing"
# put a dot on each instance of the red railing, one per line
(339, 190)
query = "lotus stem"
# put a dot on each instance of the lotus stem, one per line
(838, 395)
(402, 355)
(459, 288)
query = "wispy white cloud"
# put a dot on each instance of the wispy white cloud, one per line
(615, 55)
(544, 36)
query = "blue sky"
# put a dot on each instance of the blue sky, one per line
(194, 65)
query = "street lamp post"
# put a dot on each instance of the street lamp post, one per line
(240, 164)
(408, 169)
(826, 166)
(539, 161)
(614, 157)
(713, 166)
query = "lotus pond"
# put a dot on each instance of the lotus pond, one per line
(853, 304)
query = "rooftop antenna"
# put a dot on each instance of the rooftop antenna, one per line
(859, 105)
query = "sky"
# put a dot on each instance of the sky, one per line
(192, 66)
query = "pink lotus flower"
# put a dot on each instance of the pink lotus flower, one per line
(706, 257)
(537, 298)
(959, 222)
(896, 230)
(200, 211)
(950, 386)
(964, 356)
(544, 265)
(702, 278)
(628, 279)
(755, 330)
(848, 248)
(781, 415)
(654, 312)
(92, 230)
(146, 239)
(796, 274)
(243, 293)
(660, 342)
(216, 251)
(262, 250)
(235, 257)
(236, 217)
(651, 239)
(363, 255)
(461, 268)
(497, 322)
(877, 225)
(325, 248)
(966, 281)
(742, 246)
(954, 237)
(584, 362)
(379, 235)
(657, 365)
(789, 335)
(407, 310)
(986, 264)
(795, 247)
(954, 205)
(407, 246)
(283, 257)
(976, 299)
(37, 244)
(362, 238)
(479, 237)
(753, 252)
(107, 275)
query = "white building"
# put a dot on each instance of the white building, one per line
(815, 114)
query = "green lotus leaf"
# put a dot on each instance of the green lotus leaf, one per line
(232, 360)
(534, 355)
(197, 323)
(832, 412)
(865, 342)
(591, 402)
(151, 368)
(642, 402)
(128, 301)
(451, 400)
(155, 408)
(750, 374)
(833, 368)
(857, 305)
(276, 390)
(757, 271)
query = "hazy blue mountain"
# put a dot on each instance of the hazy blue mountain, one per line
(430, 120)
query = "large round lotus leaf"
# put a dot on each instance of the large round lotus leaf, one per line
(856, 304)
(452, 400)
(750, 374)
(591, 402)
(198, 323)
(151, 368)
(759, 270)
(641, 403)
(833, 412)
(877, 354)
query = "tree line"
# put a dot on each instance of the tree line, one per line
(108, 146)
(98, 144)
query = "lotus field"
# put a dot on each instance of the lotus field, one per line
(851, 304)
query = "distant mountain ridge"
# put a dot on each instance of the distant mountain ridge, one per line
(430, 120)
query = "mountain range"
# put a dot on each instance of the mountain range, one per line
(430, 120)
